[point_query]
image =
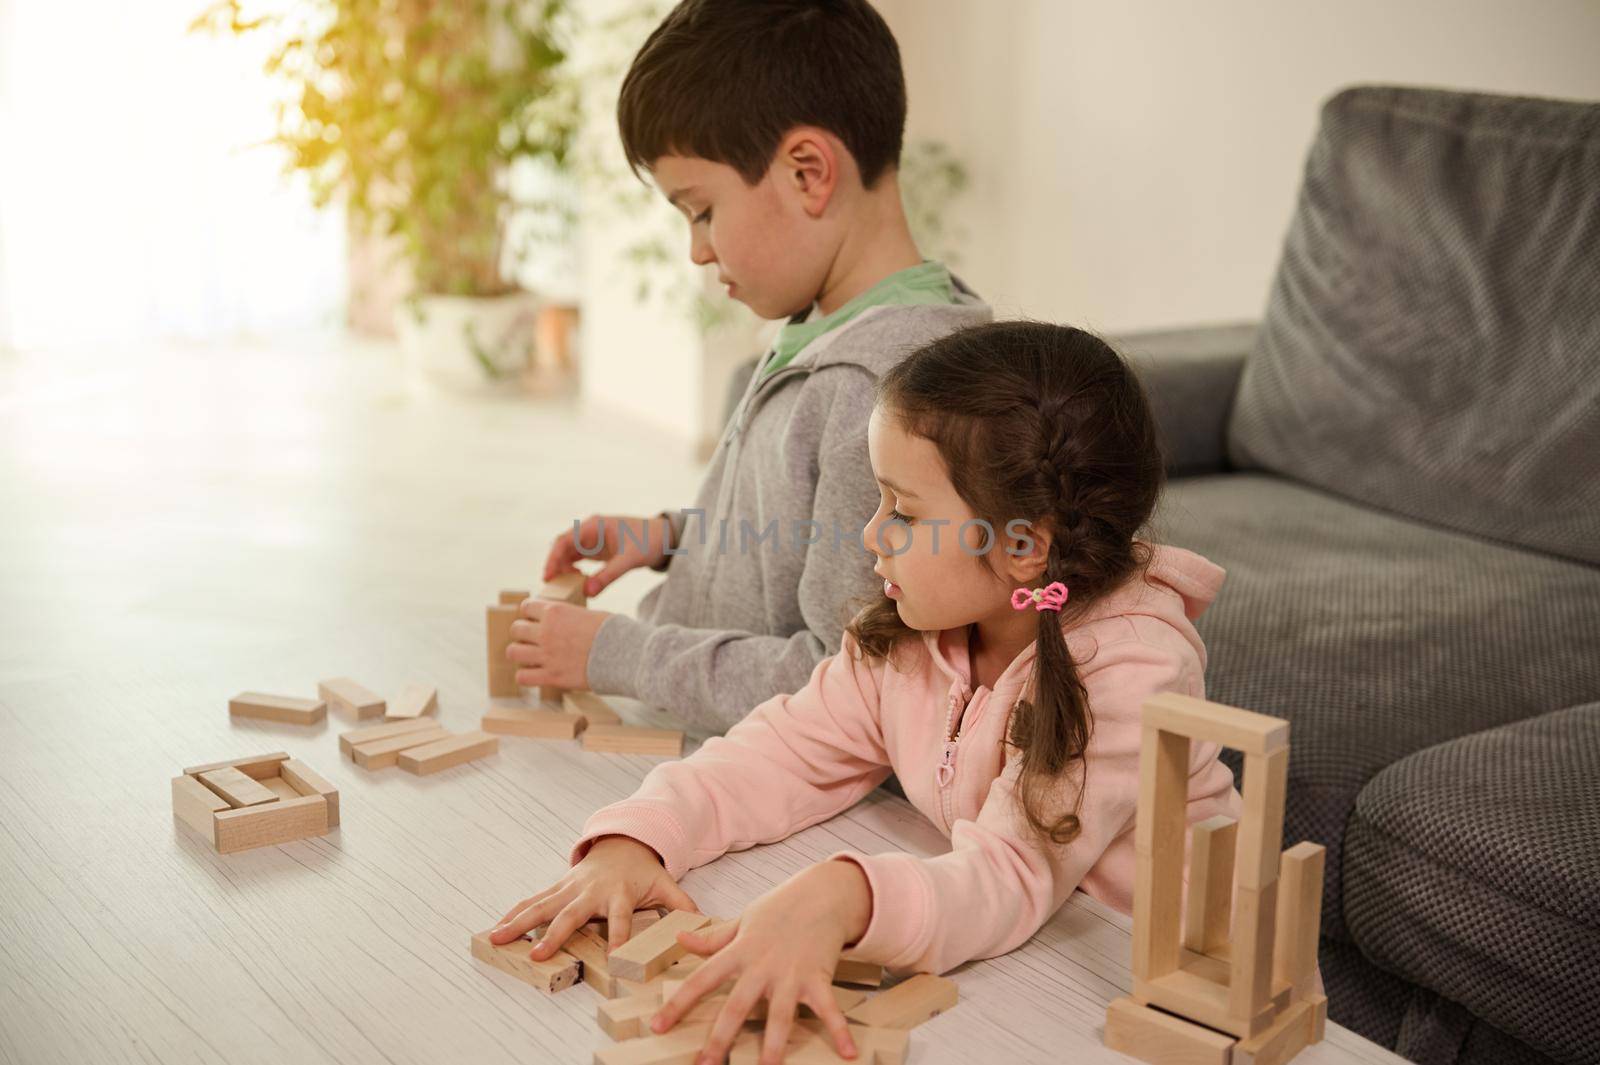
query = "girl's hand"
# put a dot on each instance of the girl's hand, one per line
(784, 948)
(550, 643)
(620, 553)
(617, 876)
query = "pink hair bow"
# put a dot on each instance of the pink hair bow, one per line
(1051, 597)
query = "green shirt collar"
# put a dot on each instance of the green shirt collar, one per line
(928, 282)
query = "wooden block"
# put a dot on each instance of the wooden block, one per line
(557, 973)
(1200, 1000)
(448, 753)
(514, 596)
(1159, 829)
(1211, 853)
(381, 754)
(630, 739)
(1250, 968)
(1319, 1018)
(627, 1017)
(534, 724)
(592, 953)
(623, 987)
(348, 741)
(649, 953)
(1266, 784)
(256, 766)
(348, 697)
(1162, 1039)
(196, 805)
(1298, 918)
(853, 970)
(1198, 719)
(414, 701)
(592, 708)
(281, 821)
(283, 708)
(280, 788)
(1289, 1035)
(908, 1003)
(681, 1046)
(810, 1044)
(502, 671)
(1216, 970)
(565, 588)
(238, 789)
(599, 930)
(306, 781)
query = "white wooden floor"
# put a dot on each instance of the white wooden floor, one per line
(180, 524)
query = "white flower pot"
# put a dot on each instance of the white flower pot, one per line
(467, 342)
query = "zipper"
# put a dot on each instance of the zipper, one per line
(945, 774)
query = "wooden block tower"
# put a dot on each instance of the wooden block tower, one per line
(1205, 993)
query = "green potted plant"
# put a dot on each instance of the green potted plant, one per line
(414, 115)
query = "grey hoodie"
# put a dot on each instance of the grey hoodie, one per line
(743, 616)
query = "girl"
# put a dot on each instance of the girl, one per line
(1001, 676)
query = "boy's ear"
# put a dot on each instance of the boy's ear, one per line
(808, 162)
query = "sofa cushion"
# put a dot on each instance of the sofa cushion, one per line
(1374, 636)
(1473, 869)
(1431, 345)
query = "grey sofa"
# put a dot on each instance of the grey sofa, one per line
(1400, 470)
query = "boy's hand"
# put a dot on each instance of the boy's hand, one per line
(784, 948)
(551, 642)
(620, 553)
(617, 876)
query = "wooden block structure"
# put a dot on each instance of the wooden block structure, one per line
(346, 696)
(414, 700)
(542, 724)
(631, 739)
(502, 671)
(254, 802)
(590, 707)
(1228, 992)
(285, 709)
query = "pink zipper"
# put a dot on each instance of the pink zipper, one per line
(946, 771)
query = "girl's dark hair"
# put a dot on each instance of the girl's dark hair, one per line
(1047, 424)
(725, 80)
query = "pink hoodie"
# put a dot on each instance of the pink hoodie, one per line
(799, 759)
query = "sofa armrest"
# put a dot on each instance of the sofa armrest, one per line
(1190, 376)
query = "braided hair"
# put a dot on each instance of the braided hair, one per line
(1048, 424)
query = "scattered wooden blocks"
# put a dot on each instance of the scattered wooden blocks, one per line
(853, 970)
(631, 739)
(557, 973)
(349, 741)
(908, 1003)
(589, 706)
(383, 753)
(537, 724)
(648, 954)
(502, 671)
(347, 696)
(447, 753)
(285, 709)
(414, 700)
(254, 802)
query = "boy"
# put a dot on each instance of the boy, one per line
(775, 126)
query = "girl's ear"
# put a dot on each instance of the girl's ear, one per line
(808, 162)
(1026, 550)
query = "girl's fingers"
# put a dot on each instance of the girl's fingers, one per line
(619, 923)
(666, 892)
(711, 939)
(820, 998)
(746, 993)
(572, 916)
(780, 1019)
(702, 981)
(524, 920)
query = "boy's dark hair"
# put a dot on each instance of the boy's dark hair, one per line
(726, 79)
(1048, 424)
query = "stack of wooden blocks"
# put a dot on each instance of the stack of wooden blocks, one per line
(417, 745)
(255, 802)
(1202, 996)
(561, 715)
(638, 978)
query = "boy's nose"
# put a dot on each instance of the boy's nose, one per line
(700, 252)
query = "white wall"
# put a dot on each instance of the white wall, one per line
(1134, 164)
